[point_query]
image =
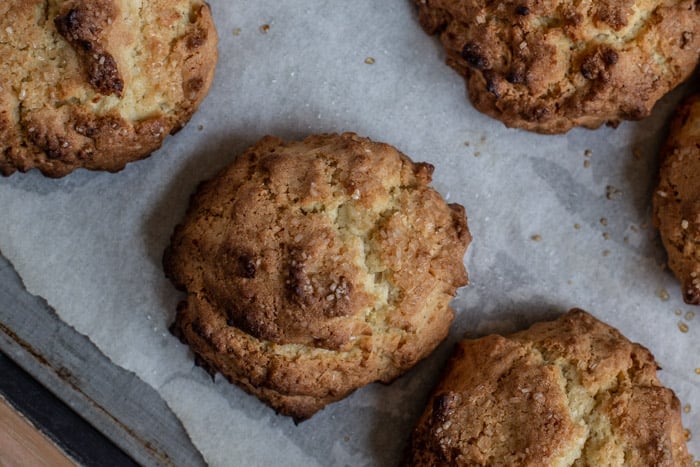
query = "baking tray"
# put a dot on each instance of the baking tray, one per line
(558, 221)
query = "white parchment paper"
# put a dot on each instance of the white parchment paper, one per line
(558, 221)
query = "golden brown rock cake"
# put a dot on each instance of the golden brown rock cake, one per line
(677, 198)
(98, 83)
(547, 66)
(570, 392)
(315, 267)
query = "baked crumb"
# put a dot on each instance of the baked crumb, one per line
(611, 192)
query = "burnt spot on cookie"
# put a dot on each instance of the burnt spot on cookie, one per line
(691, 294)
(247, 266)
(474, 57)
(635, 112)
(197, 39)
(56, 144)
(492, 83)
(572, 18)
(443, 407)
(522, 10)
(536, 113)
(238, 262)
(589, 68)
(515, 77)
(260, 324)
(433, 20)
(83, 28)
(424, 171)
(613, 14)
(595, 66)
(609, 57)
(204, 333)
(192, 88)
(686, 38)
(104, 75)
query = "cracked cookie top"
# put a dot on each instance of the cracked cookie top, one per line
(570, 392)
(677, 198)
(314, 254)
(547, 66)
(98, 83)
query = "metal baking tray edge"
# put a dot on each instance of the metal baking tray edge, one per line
(115, 401)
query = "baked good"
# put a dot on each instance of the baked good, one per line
(315, 267)
(550, 66)
(568, 392)
(677, 198)
(98, 83)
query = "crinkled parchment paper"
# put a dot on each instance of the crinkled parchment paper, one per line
(558, 221)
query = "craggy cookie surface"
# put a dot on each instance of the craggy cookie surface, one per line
(677, 198)
(315, 267)
(570, 392)
(98, 83)
(550, 66)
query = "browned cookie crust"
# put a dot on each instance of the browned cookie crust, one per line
(98, 83)
(315, 267)
(570, 392)
(550, 66)
(677, 198)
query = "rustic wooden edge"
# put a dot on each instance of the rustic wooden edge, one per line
(21, 443)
